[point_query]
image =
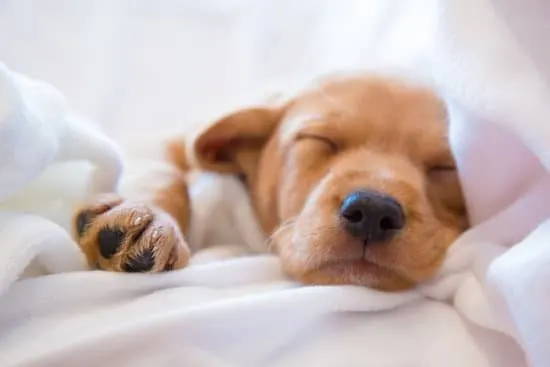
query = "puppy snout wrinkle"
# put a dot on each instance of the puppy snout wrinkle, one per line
(371, 216)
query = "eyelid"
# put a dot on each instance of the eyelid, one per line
(443, 168)
(304, 135)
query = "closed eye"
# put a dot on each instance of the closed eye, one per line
(443, 168)
(443, 173)
(319, 138)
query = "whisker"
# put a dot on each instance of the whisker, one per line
(283, 228)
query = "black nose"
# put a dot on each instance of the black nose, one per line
(371, 216)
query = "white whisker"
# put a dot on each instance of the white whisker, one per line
(283, 228)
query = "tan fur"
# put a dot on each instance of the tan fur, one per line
(175, 153)
(151, 220)
(299, 161)
(174, 197)
(156, 231)
(349, 134)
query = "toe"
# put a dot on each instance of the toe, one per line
(83, 220)
(99, 206)
(140, 263)
(110, 241)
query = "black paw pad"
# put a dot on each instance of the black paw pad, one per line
(109, 241)
(82, 221)
(141, 263)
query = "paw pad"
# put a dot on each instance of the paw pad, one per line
(109, 241)
(82, 221)
(141, 263)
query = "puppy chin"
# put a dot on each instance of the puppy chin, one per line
(359, 272)
(334, 261)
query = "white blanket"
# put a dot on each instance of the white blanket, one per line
(488, 306)
(38, 132)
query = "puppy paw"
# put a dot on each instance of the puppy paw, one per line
(128, 236)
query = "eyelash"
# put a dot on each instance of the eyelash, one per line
(335, 148)
(443, 168)
(327, 141)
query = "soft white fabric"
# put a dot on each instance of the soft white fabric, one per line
(488, 306)
(44, 149)
(36, 130)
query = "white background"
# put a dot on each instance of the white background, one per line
(140, 65)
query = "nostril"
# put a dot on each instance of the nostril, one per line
(390, 223)
(387, 224)
(353, 216)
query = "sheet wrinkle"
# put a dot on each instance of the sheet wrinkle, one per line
(485, 307)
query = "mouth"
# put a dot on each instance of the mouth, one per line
(365, 272)
(366, 244)
(349, 261)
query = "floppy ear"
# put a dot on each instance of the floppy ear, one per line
(233, 144)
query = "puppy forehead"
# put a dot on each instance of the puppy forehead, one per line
(314, 106)
(318, 108)
(296, 122)
(357, 108)
(355, 123)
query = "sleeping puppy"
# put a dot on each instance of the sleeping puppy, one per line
(353, 180)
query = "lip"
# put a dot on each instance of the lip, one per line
(357, 263)
(360, 266)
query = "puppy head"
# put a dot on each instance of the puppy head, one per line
(354, 179)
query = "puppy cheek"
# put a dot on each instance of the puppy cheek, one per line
(308, 248)
(295, 248)
(422, 252)
(289, 255)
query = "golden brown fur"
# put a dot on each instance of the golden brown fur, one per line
(348, 134)
(301, 159)
(143, 232)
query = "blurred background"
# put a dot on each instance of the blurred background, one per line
(142, 65)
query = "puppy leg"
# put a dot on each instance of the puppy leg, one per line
(142, 232)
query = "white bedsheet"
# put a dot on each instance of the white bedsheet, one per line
(488, 307)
